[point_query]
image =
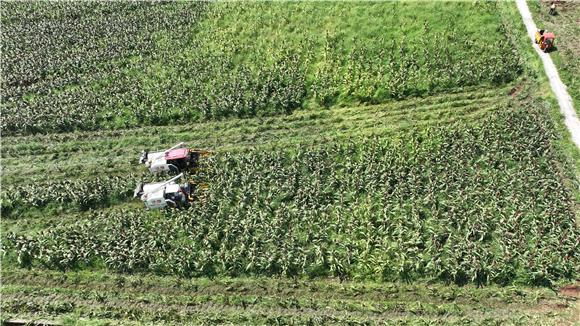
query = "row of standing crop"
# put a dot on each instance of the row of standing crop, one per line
(479, 204)
(94, 66)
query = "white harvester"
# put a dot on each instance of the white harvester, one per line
(176, 159)
(166, 194)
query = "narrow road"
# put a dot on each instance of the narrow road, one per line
(559, 89)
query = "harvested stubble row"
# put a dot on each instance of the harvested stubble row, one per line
(77, 156)
(138, 299)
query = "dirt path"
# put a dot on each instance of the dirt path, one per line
(559, 89)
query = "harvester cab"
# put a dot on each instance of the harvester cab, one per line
(175, 159)
(166, 194)
(545, 40)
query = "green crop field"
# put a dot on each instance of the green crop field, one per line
(372, 163)
(174, 63)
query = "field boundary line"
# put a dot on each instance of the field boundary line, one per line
(558, 87)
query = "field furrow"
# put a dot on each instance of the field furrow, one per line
(170, 300)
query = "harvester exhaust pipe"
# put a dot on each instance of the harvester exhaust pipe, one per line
(173, 179)
(174, 147)
(167, 182)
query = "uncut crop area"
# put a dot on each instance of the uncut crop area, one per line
(371, 163)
